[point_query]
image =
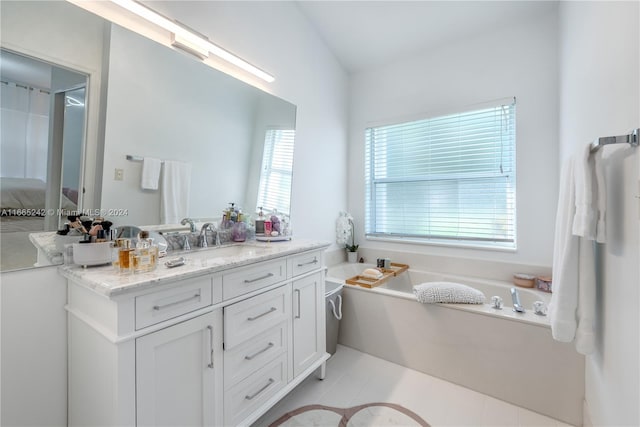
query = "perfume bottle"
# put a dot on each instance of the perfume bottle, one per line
(145, 257)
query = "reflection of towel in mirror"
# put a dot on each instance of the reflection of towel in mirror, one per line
(174, 197)
(150, 173)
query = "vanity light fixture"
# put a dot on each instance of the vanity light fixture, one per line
(190, 41)
(181, 43)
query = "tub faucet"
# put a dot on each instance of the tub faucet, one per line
(192, 225)
(202, 239)
(515, 297)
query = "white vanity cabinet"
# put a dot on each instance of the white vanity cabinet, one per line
(213, 347)
(308, 335)
(176, 374)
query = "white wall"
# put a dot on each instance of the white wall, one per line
(34, 348)
(519, 60)
(600, 96)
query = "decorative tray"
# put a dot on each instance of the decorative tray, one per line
(387, 273)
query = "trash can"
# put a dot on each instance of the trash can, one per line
(333, 301)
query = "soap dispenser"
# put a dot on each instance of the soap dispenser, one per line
(260, 222)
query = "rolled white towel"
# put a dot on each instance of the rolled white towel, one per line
(447, 292)
(372, 273)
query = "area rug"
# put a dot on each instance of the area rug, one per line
(370, 414)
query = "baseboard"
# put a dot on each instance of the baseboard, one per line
(586, 417)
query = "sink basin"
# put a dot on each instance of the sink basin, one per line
(215, 253)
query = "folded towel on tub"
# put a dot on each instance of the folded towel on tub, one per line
(372, 273)
(447, 292)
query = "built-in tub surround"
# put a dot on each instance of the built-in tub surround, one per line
(501, 353)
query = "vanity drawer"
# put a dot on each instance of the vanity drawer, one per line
(156, 307)
(247, 279)
(251, 317)
(306, 262)
(248, 357)
(249, 394)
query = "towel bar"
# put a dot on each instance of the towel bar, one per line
(631, 139)
(136, 158)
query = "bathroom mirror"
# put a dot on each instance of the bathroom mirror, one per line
(167, 105)
(160, 103)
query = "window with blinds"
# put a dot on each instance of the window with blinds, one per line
(274, 191)
(444, 179)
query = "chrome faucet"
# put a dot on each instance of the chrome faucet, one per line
(515, 297)
(192, 225)
(202, 239)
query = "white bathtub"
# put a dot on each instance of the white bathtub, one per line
(508, 355)
(402, 287)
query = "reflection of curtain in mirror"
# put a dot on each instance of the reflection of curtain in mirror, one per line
(25, 131)
(274, 191)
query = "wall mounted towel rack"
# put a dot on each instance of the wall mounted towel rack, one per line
(630, 138)
(136, 158)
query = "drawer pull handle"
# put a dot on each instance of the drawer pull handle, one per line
(210, 328)
(251, 319)
(266, 276)
(259, 352)
(271, 381)
(315, 261)
(171, 304)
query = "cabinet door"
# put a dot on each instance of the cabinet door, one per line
(308, 322)
(176, 374)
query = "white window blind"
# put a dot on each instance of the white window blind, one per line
(274, 191)
(448, 178)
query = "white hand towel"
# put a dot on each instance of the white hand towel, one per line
(176, 184)
(150, 173)
(585, 218)
(601, 196)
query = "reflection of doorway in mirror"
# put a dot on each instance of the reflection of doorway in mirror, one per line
(31, 165)
(73, 131)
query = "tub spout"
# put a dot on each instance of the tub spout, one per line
(516, 301)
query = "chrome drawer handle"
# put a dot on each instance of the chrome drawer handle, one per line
(210, 328)
(266, 276)
(251, 319)
(315, 261)
(259, 352)
(271, 381)
(299, 308)
(171, 304)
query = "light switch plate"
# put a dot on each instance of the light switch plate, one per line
(119, 174)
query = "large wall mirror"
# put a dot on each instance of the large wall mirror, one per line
(147, 100)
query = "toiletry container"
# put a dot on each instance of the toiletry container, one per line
(239, 232)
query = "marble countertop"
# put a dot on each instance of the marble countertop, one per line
(51, 244)
(107, 281)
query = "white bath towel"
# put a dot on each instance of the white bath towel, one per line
(579, 222)
(150, 173)
(174, 199)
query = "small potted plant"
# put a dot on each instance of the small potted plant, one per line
(352, 249)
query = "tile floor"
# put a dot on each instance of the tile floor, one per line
(354, 378)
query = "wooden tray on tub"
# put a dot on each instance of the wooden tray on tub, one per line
(387, 273)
